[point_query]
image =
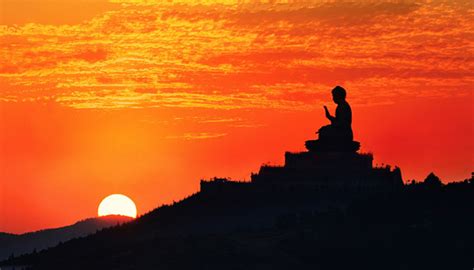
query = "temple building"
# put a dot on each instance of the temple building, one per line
(327, 166)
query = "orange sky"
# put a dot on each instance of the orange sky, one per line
(146, 97)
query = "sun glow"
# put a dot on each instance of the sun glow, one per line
(117, 204)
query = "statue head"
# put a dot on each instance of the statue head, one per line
(338, 94)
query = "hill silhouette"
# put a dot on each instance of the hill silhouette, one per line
(18, 244)
(419, 226)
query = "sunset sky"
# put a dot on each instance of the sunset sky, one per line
(147, 97)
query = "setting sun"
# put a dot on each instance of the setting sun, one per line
(117, 204)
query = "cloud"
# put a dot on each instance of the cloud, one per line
(197, 136)
(226, 55)
(146, 90)
(221, 120)
(256, 13)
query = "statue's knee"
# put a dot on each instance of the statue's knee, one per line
(324, 129)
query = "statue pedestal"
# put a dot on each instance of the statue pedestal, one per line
(332, 146)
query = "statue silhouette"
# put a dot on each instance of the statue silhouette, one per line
(340, 127)
(338, 135)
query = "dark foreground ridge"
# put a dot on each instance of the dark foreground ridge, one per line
(321, 210)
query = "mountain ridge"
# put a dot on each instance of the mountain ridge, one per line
(18, 244)
(407, 229)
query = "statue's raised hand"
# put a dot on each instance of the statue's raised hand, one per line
(328, 115)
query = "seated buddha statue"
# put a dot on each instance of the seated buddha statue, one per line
(340, 129)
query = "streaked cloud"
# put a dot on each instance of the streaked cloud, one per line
(197, 136)
(230, 55)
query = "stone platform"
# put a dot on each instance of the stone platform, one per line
(332, 146)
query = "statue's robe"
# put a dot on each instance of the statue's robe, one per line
(340, 128)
